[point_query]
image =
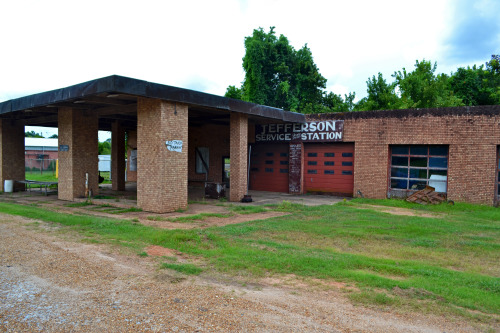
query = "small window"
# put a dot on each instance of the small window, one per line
(346, 172)
(438, 151)
(418, 162)
(312, 154)
(399, 161)
(329, 172)
(312, 163)
(284, 154)
(418, 150)
(284, 162)
(270, 154)
(346, 163)
(312, 171)
(254, 169)
(283, 170)
(400, 150)
(202, 159)
(329, 154)
(346, 154)
(269, 170)
(329, 163)
(269, 162)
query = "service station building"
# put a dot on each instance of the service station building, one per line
(178, 138)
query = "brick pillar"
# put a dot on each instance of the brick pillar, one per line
(239, 155)
(161, 173)
(78, 153)
(11, 152)
(117, 156)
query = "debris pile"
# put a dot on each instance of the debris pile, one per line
(427, 196)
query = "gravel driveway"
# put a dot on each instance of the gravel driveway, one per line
(50, 282)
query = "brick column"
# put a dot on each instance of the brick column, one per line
(117, 157)
(239, 155)
(161, 172)
(77, 133)
(11, 152)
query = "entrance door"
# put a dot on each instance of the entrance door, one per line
(329, 168)
(269, 168)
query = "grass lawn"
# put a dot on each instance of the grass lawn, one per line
(449, 262)
(49, 176)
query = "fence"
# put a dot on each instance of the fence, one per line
(40, 165)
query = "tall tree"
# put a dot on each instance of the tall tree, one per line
(423, 89)
(381, 95)
(278, 75)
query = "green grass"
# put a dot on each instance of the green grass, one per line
(247, 209)
(47, 176)
(187, 269)
(451, 261)
(197, 217)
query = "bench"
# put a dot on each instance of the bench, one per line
(28, 185)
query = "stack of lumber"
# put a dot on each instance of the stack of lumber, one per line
(427, 196)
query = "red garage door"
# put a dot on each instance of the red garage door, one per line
(269, 168)
(329, 168)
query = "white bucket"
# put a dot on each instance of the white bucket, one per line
(8, 186)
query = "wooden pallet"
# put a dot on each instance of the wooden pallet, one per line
(427, 196)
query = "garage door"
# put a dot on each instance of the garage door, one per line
(269, 168)
(329, 168)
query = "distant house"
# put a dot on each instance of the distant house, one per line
(40, 153)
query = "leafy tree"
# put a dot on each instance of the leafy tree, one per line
(234, 92)
(381, 95)
(53, 136)
(478, 85)
(105, 147)
(423, 89)
(278, 75)
(33, 134)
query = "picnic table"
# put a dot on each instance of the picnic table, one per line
(28, 185)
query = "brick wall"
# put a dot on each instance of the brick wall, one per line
(77, 130)
(161, 174)
(239, 155)
(11, 152)
(472, 134)
(118, 156)
(131, 145)
(216, 139)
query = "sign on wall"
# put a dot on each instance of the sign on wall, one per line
(174, 145)
(312, 131)
(295, 168)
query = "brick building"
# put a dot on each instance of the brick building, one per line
(380, 154)
(178, 137)
(40, 153)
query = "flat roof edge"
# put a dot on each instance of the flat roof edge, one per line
(487, 110)
(126, 85)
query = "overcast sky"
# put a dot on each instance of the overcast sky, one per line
(199, 44)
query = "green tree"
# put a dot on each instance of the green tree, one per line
(423, 89)
(381, 95)
(278, 75)
(234, 92)
(105, 147)
(33, 134)
(53, 136)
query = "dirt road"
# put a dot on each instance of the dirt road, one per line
(50, 282)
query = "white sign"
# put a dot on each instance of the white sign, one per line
(174, 145)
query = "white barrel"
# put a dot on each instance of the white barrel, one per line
(8, 186)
